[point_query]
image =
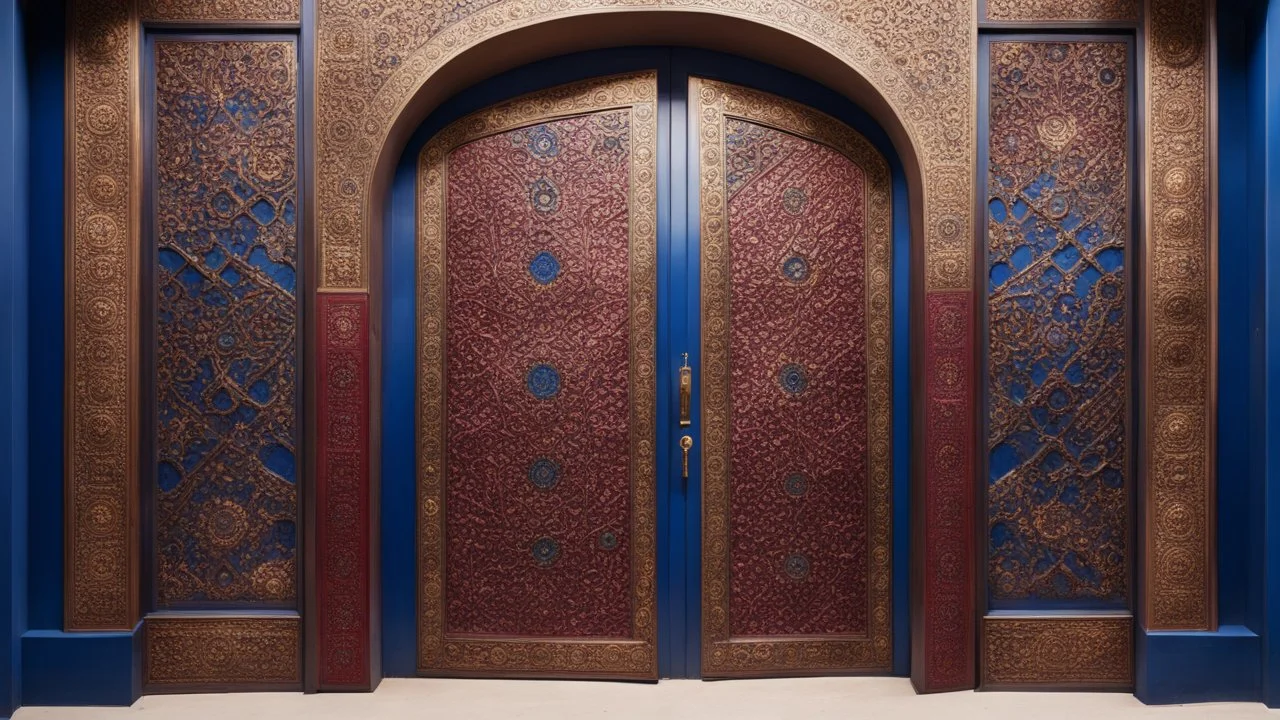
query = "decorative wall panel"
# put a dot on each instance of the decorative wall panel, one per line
(1087, 652)
(190, 654)
(795, 214)
(343, 493)
(537, 283)
(1043, 12)
(1058, 228)
(228, 11)
(226, 316)
(102, 310)
(942, 626)
(1181, 335)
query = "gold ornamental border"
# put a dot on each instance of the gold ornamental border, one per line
(1082, 652)
(438, 653)
(222, 11)
(1042, 12)
(722, 654)
(918, 55)
(102, 334)
(1181, 343)
(191, 653)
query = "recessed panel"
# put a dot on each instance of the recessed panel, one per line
(538, 273)
(225, 323)
(795, 300)
(537, 380)
(1058, 393)
(798, 483)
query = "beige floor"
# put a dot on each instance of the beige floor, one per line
(809, 699)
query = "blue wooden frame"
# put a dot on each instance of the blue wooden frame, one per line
(13, 350)
(679, 518)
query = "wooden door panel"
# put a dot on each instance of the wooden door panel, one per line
(537, 301)
(795, 232)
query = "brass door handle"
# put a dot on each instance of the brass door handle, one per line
(686, 443)
(686, 390)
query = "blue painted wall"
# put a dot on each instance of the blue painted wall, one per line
(13, 347)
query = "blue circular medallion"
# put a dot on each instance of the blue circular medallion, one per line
(543, 381)
(226, 341)
(796, 566)
(1107, 76)
(793, 378)
(544, 473)
(544, 196)
(1058, 207)
(796, 484)
(543, 142)
(793, 200)
(544, 267)
(545, 550)
(608, 541)
(795, 269)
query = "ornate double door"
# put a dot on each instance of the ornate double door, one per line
(560, 423)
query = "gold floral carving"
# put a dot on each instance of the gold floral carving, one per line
(102, 320)
(438, 652)
(918, 54)
(251, 11)
(723, 655)
(1046, 11)
(184, 652)
(1080, 651)
(1181, 332)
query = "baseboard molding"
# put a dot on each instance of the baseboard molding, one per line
(1196, 667)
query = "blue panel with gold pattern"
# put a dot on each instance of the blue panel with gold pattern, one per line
(1058, 387)
(226, 312)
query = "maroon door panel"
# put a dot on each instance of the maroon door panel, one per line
(537, 300)
(795, 214)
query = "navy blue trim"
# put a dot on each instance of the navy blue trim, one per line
(13, 351)
(98, 668)
(1189, 667)
(679, 527)
(1268, 79)
(45, 297)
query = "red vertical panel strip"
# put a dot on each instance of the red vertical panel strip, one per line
(949, 613)
(342, 491)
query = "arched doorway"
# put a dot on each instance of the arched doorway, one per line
(867, 632)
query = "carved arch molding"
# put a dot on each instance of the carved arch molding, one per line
(373, 58)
